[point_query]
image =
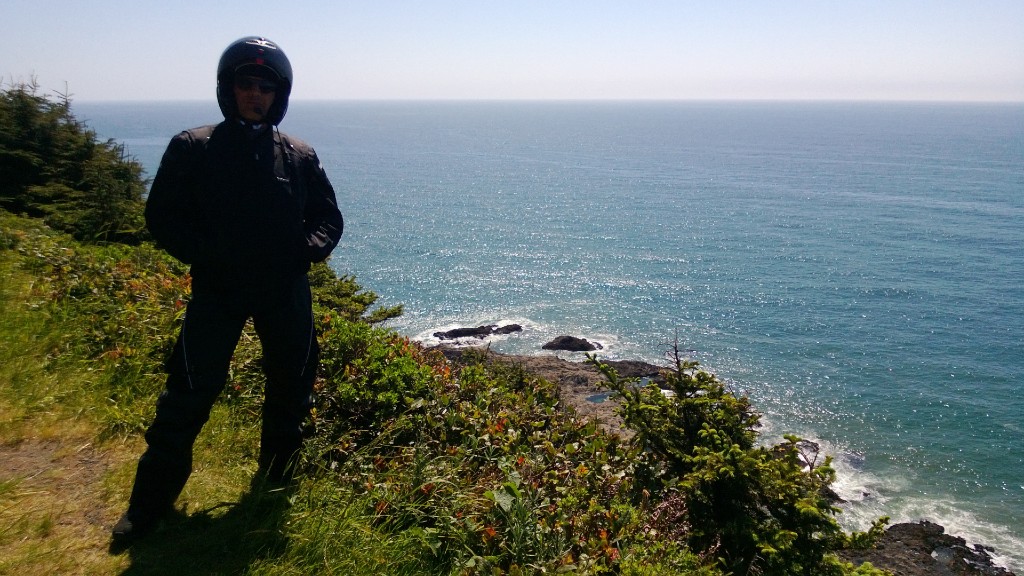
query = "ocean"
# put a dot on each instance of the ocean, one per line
(856, 269)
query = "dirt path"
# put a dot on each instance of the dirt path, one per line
(55, 502)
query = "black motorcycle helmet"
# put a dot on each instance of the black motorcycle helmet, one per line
(254, 56)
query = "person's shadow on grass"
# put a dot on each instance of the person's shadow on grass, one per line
(212, 541)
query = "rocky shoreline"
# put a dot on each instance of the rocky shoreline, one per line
(923, 548)
(906, 549)
(579, 383)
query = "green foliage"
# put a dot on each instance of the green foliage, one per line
(370, 377)
(330, 534)
(342, 297)
(420, 465)
(664, 558)
(52, 167)
(121, 306)
(480, 461)
(698, 410)
(472, 469)
(115, 308)
(757, 509)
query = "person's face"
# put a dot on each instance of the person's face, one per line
(254, 96)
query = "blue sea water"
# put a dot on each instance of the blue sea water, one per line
(855, 268)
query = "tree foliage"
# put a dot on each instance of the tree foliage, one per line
(52, 167)
(758, 509)
(342, 297)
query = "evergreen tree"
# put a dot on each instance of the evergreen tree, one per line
(758, 509)
(52, 167)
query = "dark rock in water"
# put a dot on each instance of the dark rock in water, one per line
(924, 549)
(478, 332)
(571, 344)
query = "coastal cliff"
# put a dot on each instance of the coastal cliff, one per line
(906, 549)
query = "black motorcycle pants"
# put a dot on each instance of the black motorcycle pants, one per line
(198, 372)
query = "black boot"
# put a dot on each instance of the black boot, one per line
(134, 525)
(158, 482)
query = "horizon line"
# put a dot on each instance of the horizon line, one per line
(576, 100)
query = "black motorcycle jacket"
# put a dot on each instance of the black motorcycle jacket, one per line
(249, 210)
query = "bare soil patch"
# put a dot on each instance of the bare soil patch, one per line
(55, 503)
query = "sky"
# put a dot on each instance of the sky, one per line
(938, 50)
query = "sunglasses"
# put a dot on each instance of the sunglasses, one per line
(249, 83)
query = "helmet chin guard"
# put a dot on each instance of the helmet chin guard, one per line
(254, 56)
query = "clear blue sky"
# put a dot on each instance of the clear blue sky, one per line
(526, 49)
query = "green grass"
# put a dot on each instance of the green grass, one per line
(72, 415)
(416, 467)
(28, 387)
(46, 513)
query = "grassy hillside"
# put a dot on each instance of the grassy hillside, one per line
(417, 466)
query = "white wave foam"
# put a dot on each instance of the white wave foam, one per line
(529, 341)
(426, 335)
(869, 495)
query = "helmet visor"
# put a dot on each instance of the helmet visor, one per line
(257, 71)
